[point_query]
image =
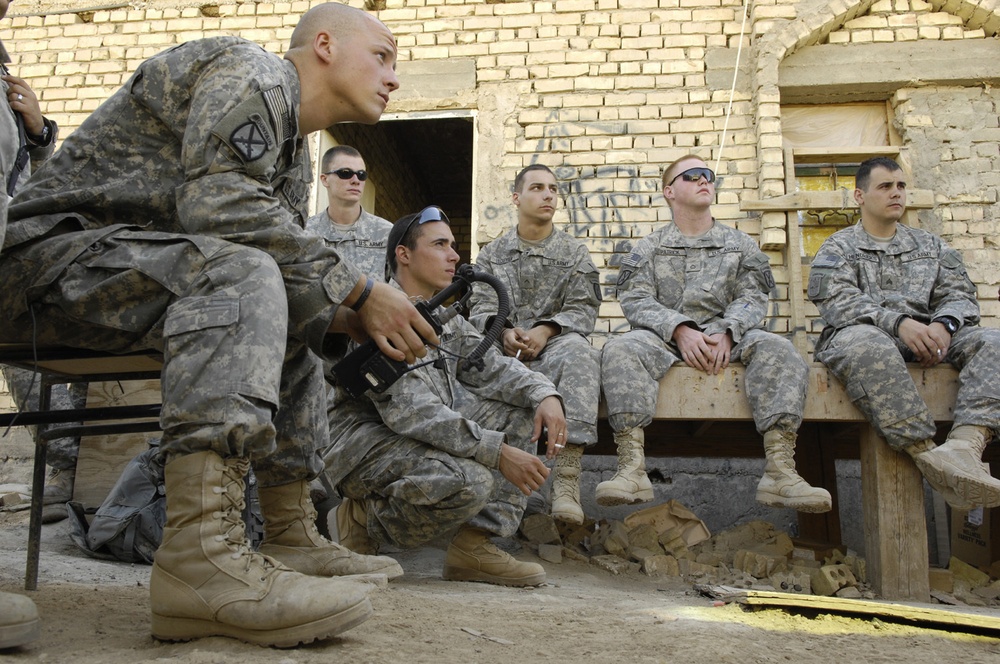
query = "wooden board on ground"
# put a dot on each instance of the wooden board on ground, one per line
(102, 458)
(925, 616)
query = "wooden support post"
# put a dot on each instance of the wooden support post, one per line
(895, 522)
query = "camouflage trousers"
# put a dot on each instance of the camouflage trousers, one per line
(25, 387)
(872, 367)
(414, 492)
(569, 361)
(232, 381)
(776, 378)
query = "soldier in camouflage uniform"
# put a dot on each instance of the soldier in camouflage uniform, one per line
(555, 293)
(173, 219)
(697, 291)
(355, 233)
(457, 448)
(26, 136)
(33, 142)
(892, 294)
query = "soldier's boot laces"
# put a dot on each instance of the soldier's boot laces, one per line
(630, 484)
(19, 623)
(781, 485)
(471, 556)
(352, 527)
(566, 485)
(291, 536)
(956, 468)
(207, 581)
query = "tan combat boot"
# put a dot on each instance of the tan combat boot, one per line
(957, 468)
(206, 581)
(566, 485)
(19, 623)
(352, 527)
(630, 484)
(472, 556)
(781, 486)
(57, 492)
(291, 536)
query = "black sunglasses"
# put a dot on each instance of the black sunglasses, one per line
(694, 174)
(347, 174)
(430, 213)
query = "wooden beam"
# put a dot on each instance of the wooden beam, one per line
(793, 263)
(689, 394)
(892, 491)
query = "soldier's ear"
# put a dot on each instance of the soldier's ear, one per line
(859, 197)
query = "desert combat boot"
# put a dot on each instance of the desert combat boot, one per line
(206, 580)
(291, 536)
(352, 527)
(471, 556)
(781, 485)
(956, 468)
(630, 484)
(19, 623)
(566, 485)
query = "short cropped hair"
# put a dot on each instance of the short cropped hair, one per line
(519, 180)
(332, 153)
(668, 174)
(864, 175)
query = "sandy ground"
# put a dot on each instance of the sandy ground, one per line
(95, 611)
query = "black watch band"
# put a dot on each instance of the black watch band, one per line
(43, 139)
(949, 322)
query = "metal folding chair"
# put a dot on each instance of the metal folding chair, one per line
(58, 365)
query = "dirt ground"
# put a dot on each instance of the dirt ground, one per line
(95, 612)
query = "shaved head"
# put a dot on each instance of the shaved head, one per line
(332, 17)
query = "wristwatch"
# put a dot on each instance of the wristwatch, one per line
(43, 139)
(949, 323)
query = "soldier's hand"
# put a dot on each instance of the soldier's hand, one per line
(392, 321)
(723, 350)
(696, 347)
(550, 415)
(515, 342)
(538, 337)
(928, 343)
(23, 100)
(522, 469)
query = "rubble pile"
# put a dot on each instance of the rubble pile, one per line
(668, 540)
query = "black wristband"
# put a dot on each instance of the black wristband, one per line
(364, 294)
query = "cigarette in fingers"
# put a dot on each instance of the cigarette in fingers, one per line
(517, 356)
(558, 446)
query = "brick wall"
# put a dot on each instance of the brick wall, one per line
(606, 92)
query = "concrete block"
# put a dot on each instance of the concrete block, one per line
(573, 554)
(540, 529)
(968, 573)
(613, 538)
(614, 564)
(551, 553)
(827, 580)
(661, 565)
(792, 582)
(644, 536)
(848, 592)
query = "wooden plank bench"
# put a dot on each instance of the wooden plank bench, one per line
(895, 528)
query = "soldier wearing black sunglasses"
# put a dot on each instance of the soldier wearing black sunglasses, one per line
(346, 226)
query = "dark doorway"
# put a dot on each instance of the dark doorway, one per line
(418, 162)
